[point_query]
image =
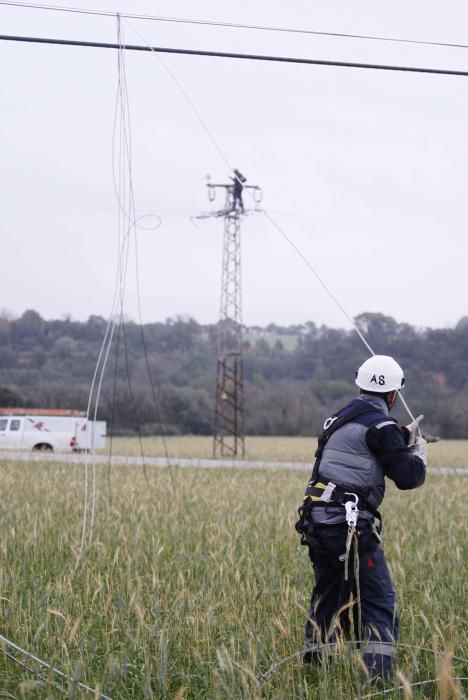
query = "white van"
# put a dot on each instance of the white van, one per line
(50, 433)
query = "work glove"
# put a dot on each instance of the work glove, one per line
(413, 430)
(419, 448)
(430, 438)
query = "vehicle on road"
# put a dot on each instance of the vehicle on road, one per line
(50, 430)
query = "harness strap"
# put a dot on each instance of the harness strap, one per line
(349, 542)
(333, 423)
(320, 494)
(305, 524)
(325, 494)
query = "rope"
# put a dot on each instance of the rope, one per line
(358, 584)
(102, 357)
(133, 221)
(332, 646)
(317, 277)
(49, 667)
(330, 294)
(349, 542)
(128, 223)
(114, 320)
(278, 664)
(267, 215)
(230, 25)
(409, 685)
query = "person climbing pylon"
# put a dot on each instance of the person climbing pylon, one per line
(238, 186)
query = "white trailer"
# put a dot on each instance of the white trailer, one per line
(62, 431)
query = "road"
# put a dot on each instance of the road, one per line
(74, 458)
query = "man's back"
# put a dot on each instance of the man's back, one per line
(361, 453)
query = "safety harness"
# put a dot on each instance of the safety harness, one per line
(324, 494)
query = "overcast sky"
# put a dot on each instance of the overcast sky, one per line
(365, 171)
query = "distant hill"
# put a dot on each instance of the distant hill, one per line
(295, 376)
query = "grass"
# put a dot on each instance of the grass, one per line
(195, 584)
(447, 453)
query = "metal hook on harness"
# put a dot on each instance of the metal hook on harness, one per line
(352, 513)
(351, 508)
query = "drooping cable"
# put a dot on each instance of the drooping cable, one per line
(154, 392)
(352, 643)
(112, 416)
(129, 212)
(232, 25)
(317, 277)
(417, 684)
(268, 216)
(125, 227)
(333, 297)
(44, 664)
(116, 316)
(128, 222)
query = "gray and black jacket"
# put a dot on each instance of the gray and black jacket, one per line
(361, 453)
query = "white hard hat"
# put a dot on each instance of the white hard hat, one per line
(380, 373)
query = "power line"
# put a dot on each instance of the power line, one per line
(269, 217)
(232, 25)
(243, 56)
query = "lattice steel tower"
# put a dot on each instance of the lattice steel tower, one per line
(229, 403)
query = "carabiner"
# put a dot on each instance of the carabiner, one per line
(351, 508)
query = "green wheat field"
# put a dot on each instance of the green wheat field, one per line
(195, 584)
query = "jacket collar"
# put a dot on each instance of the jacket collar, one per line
(376, 401)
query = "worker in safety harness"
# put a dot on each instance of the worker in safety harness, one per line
(340, 523)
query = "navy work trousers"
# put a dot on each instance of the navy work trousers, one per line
(379, 618)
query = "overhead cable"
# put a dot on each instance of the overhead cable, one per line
(267, 215)
(232, 25)
(243, 56)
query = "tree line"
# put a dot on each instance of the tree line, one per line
(161, 376)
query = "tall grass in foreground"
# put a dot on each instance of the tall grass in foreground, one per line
(196, 587)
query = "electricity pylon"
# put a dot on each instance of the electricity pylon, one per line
(229, 439)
